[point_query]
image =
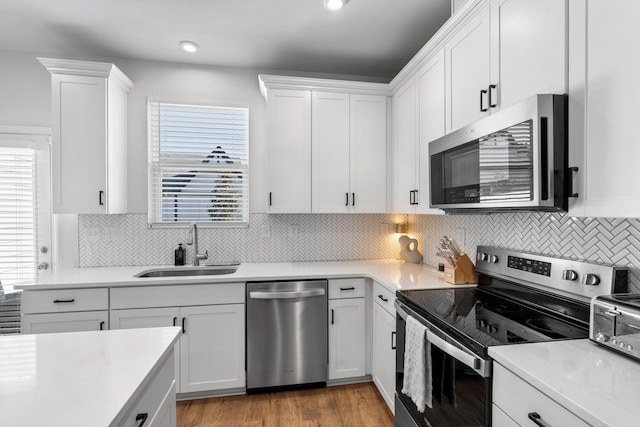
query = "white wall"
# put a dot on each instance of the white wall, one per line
(25, 99)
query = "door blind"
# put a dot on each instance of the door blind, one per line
(17, 216)
(198, 164)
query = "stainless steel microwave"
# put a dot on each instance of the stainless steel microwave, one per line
(512, 160)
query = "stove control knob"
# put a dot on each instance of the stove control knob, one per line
(600, 337)
(493, 329)
(614, 341)
(493, 259)
(569, 275)
(481, 324)
(482, 256)
(591, 279)
(629, 347)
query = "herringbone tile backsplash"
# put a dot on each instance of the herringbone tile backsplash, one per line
(126, 240)
(605, 240)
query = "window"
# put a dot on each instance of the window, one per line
(198, 164)
(24, 206)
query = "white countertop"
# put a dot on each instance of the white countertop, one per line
(395, 275)
(77, 378)
(598, 385)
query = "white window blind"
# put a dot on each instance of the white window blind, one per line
(198, 164)
(17, 216)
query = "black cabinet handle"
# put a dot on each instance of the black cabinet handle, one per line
(535, 417)
(415, 197)
(483, 92)
(100, 194)
(60, 301)
(383, 298)
(411, 197)
(491, 89)
(175, 321)
(346, 203)
(570, 192)
(393, 340)
(142, 418)
(351, 288)
(353, 199)
(332, 316)
(184, 325)
(269, 198)
(102, 325)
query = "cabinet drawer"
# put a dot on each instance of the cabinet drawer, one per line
(63, 300)
(180, 295)
(152, 396)
(346, 288)
(384, 297)
(518, 399)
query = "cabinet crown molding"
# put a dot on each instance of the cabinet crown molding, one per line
(89, 69)
(328, 85)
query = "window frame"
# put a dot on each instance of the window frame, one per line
(151, 197)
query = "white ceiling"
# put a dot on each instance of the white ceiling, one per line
(374, 38)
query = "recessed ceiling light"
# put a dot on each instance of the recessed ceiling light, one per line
(188, 46)
(334, 4)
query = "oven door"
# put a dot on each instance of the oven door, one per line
(461, 382)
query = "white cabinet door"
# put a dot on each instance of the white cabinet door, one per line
(528, 57)
(500, 419)
(166, 414)
(289, 151)
(79, 143)
(347, 349)
(368, 154)
(405, 140)
(603, 108)
(212, 347)
(383, 363)
(432, 124)
(330, 152)
(468, 59)
(65, 322)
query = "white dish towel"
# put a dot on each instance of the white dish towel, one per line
(417, 365)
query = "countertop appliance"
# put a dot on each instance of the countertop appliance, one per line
(287, 335)
(520, 298)
(615, 323)
(515, 159)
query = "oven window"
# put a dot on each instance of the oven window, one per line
(460, 395)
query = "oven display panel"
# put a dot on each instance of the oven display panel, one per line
(532, 266)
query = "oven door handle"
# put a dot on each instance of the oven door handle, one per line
(480, 366)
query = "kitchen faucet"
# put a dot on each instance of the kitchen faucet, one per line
(193, 240)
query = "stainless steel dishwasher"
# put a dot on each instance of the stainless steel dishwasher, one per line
(286, 335)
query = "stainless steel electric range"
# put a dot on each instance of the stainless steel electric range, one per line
(520, 297)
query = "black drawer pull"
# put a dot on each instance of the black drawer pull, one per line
(383, 298)
(100, 194)
(60, 301)
(535, 417)
(332, 316)
(348, 289)
(175, 321)
(184, 325)
(102, 325)
(353, 199)
(142, 418)
(482, 94)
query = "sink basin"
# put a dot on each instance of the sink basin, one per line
(209, 270)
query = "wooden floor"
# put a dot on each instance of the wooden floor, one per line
(348, 405)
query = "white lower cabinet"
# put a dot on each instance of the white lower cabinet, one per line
(525, 405)
(500, 419)
(210, 353)
(65, 322)
(347, 339)
(383, 357)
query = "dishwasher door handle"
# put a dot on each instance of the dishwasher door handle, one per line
(286, 294)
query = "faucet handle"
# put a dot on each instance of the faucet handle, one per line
(206, 254)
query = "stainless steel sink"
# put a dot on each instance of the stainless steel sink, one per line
(209, 270)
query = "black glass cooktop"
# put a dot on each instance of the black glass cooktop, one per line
(499, 313)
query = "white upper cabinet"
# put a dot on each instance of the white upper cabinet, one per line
(405, 148)
(330, 152)
(289, 151)
(89, 150)
(603, 108)
(506, 51)
(530, 39)
(468, 59)
(327, 145)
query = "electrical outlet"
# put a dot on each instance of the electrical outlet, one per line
(109, 234)
(266, 231)
(92, 234)
(293, 231)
